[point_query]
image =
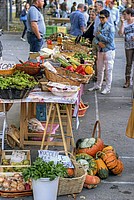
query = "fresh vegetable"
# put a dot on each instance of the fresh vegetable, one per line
(70, 68)
(113, 163)
(89, 70)
(70, 172)
(92, 180)
(102, 169)
(63, 62)
(18, 80)
(88, 162)
(92, 150)
(80, 69)
(41, 169)
(73, 61)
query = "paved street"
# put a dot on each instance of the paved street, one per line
(113, 112)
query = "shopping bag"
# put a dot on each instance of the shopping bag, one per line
(130, 125)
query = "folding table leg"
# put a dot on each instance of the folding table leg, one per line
(61, 128)
(45, 130)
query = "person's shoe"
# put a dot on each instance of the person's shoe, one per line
(23, 39)
(105, 91)
(96, 87)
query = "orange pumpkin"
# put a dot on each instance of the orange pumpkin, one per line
(98, 146)
(93, 180)
(70, 172)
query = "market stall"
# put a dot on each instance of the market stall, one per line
(54, 101)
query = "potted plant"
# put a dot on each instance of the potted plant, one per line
(45, 178)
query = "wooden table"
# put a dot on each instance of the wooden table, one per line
(67, 139)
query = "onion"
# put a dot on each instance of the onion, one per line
(13, 184)
(17, 175)
(1, 179)
(20, 187)
(6, 184)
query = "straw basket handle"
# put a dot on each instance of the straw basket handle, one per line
(97, 124)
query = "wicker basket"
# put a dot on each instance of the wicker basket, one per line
(82, 111)
(66, 76)
(72, 185)
(71, 46)
(6, 72)
(28, 69)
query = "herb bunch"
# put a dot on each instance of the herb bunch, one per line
(41, 169)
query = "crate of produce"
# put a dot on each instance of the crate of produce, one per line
(15, 160)
(13, 185)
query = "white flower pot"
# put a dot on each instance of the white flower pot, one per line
(44, 189)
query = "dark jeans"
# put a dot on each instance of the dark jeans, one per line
(129, 61)
(35, 43)
(25, 28)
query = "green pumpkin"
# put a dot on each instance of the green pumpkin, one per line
(102, 169)
(88, 162)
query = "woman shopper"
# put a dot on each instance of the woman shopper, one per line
(106, 52)
(23, 18)
(127, 29)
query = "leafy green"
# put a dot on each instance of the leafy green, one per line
(18, 80)
(41, 169)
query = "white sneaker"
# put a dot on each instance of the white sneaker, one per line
(95, 87)
(23, 39)
(105, 91)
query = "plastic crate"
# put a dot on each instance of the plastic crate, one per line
(50, 30)
(55, 29)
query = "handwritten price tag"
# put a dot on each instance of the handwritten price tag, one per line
(65, 160)
(48, 156)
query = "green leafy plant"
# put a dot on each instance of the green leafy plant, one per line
(18, 80)
(41, 169)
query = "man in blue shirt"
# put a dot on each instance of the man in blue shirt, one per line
(114, 13)
(106, 52)
(77, 21)
(35, 26)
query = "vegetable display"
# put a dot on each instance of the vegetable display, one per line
(88, 162)
(18, 80)
(40, 169)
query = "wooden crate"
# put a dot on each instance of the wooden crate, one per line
(6, 154)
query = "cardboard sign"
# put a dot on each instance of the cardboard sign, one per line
(48, 156)
(6, 64)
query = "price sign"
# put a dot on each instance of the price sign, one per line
(48, 156)
(6, 64)
(65, 160)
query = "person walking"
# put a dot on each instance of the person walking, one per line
(127, 29)
(106, 52)
(64, 9)
(77, 21)
(35, 26)
(23, 18)
(114, 13)
(73, 8)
